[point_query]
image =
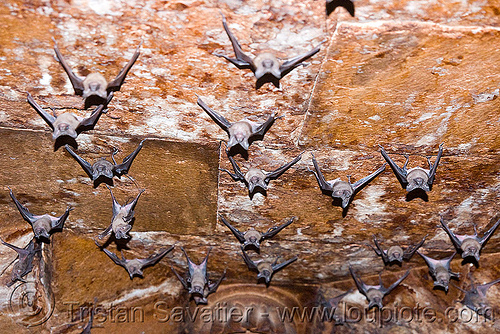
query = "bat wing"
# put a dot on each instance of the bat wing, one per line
(359, 283)
(118, 261)
(242, 60)
(239, 175)
(48, 118)
(483, 288)
(379, 250)
(127, 162)
(276, 173)
(153, 259)
(280, 266)
(433, 168)
(388, 290)
(323, 184)
(25, 213)
(248, 261)
(408, 253)
(333, 4)
(183, 282)
(221, 121)
(358, 185)
(290, 64)
(106, 231)
(452, 235)
(260, 130)
(213, 287)
(87, 167)
(240, 236)
(20, 251)
(275, 230)
(58, 222)
(131, 206)
(488, 233)
(76, 81)
(399, 172)
(91, 121)
(116, 84)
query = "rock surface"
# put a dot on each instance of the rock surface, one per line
(407, 75)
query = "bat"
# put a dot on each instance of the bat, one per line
(265, 267)
(43, 225)
(68, 124)
(375, 293)
(440, 270)
(417, 177)
(135, 266)
(102, 168)
(240, 132)
(94, 88)
(252, 237)
(396, 253)
(197, 282)
(469, 245)
(342, 190)
(122, 218)
(332, 304)
(475, 297)
(331, 5)
(24, 264)
(265, 66)
(256, 177)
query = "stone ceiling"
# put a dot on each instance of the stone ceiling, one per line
(407, 75)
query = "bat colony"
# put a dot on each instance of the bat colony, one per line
(95, 90)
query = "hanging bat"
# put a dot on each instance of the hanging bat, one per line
(331, 5)
(252, 237)
(44, 225)
(332, 304)
(122, 218)
(475, 297)
(68, 124)
(375, 293)
(197, 282)
(103, 169)
(440, 270)
(396, 253)
(239, 132)
(266, 67)
(265, 267)
(256, 177)
(343, 190)
(417, 177)
(134, 267)
(88, 327)
(24, 264)
(469, 245)
(94, 88)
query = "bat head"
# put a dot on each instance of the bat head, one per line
(395, 254)
(417, 179)
(95, 85)
(64, 129)
(442, 280)
(41, 232)
(252, 241)
(471, 248)
(197, 289)
(344, 195)
(134, 271)
(267, 63)
(200, 300)
(375, 297)
(266, 275)
(256, 181)
(102, 167)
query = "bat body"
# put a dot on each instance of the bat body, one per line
(375, 293)
(24, 264)
(440, 270)
(265, 66)
(94, 88)
(331, 5)
(135, 267)
(417, 177)
(122, 218)
(396, 253)
(240, 132)
(68, 124)
(252, 237)
(255, 177)
(197, 282)
(469, 245)
(43, 225)
(475, 297)
(102, 168)
(342, 190)
(265, 267)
